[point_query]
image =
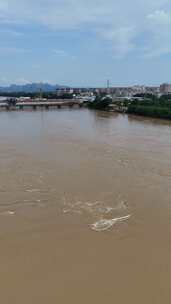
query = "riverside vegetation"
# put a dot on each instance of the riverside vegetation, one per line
(142, 104)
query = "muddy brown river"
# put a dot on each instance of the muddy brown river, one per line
(85, 208)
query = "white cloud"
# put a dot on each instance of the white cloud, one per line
(64, 54)
(158, 27)
(122, 39)
(121, 23)
(11, 32)
(160, 18)
(12, 50)
(21, 81)
(61, 53)
(5, 81)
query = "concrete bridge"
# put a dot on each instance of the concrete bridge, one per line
(42, 104)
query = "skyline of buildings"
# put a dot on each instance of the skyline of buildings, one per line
(123, 91)
(119, 91)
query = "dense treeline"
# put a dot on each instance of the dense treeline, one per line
(152, 100)
(142, 104)
(100, 103)
(159, 107)
(152, 111)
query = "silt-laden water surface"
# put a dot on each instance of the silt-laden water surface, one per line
(85, 208)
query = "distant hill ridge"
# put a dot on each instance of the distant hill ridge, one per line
(31, 88)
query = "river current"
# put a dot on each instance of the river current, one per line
(85, 208)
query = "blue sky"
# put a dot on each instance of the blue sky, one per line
(84, 43)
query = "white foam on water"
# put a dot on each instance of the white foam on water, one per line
(106, 224)
(87, 207)
(105, 210)
(92, 204)
(7, 213)
(66, 210)
(32, 190)
(10, 212)
(121, 205)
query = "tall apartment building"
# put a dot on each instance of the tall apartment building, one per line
(165, 88)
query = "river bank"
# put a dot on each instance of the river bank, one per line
(149, 106)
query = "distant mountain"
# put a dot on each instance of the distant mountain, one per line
(30, 88)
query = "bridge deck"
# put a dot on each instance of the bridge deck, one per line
(46, 104)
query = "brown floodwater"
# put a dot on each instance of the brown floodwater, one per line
(85, 208)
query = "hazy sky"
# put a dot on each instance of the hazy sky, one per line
(85, 42)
